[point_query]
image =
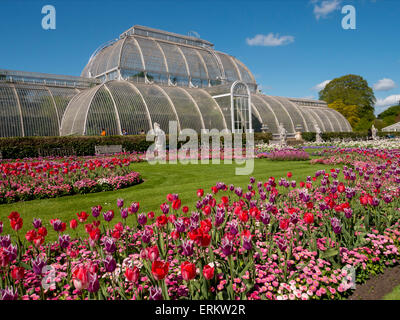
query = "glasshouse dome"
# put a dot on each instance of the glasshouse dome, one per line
(147, 76)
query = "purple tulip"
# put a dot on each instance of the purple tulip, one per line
(252, 180)
(231, 187)
(11, 251)
(195, 216)
(5, 241)
(146, 236)
(155, 293)
(265, 217)
(120, 203)
(180, 225)
(294, 218)
(8, 294)
(239, 191)
(219, 216)
(282, 244)
(57, 225)
(37, 265)
(233, 227)
(109, 245)
(124, 213)
(226, 246)
(187, 247)
(348, 213)
(37, 223)
(1, 227)
(142, 219)
(94, 284)
(336, 225)
(165, 208)
(95, 211)
(108, 216)
(247, 244)
(64, 241)
(134, 207)
(109, 264)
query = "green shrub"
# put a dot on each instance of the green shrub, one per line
(29, 147)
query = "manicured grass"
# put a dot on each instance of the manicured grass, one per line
(394, 295)
(159, 181)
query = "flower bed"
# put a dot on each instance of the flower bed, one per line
(276, 240)
(53, 177)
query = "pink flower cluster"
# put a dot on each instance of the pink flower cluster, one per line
(53, 177)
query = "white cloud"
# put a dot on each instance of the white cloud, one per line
(384, 84)
(383, 104)
(324, 8)
(321, 86)
(269, 40)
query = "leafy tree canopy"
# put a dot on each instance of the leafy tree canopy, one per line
(348, 111)
(352, 90)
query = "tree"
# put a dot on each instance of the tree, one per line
(390, 116)
(352, 90)
(348, 111)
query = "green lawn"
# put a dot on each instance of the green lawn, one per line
(394, 295)
(159, 181)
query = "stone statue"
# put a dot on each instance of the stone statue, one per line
(298, 136)
(318, 137)
(374, 131)
(282, 135)
(159, 141)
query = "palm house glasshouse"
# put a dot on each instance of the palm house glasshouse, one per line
(147, 76)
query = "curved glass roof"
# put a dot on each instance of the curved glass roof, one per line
(117, 105)
(161, 55)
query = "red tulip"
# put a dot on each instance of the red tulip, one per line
(132, 275)
(176, 204)
(18, 273)
(308, 218)
(16, 224)
(214, 189)
(206, 210)
(243, 216)
(208, 272)
(341, 188)
(95, 234)
(159, 269)
(185, 209)
(162, 220)
(200, 193)
(153, 253)
(289, 174)
(13, 215)
(42, 231)
(284, 224)
(150, 215)
(188, 270)
(82, 216)
(31, 235)
(80, 278)
(73, 224)
(225, 200)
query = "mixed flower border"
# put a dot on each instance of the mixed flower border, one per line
(279, 239)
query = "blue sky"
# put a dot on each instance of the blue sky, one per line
(290, 46)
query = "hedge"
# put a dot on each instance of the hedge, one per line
(30, 147)
(329, 136)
